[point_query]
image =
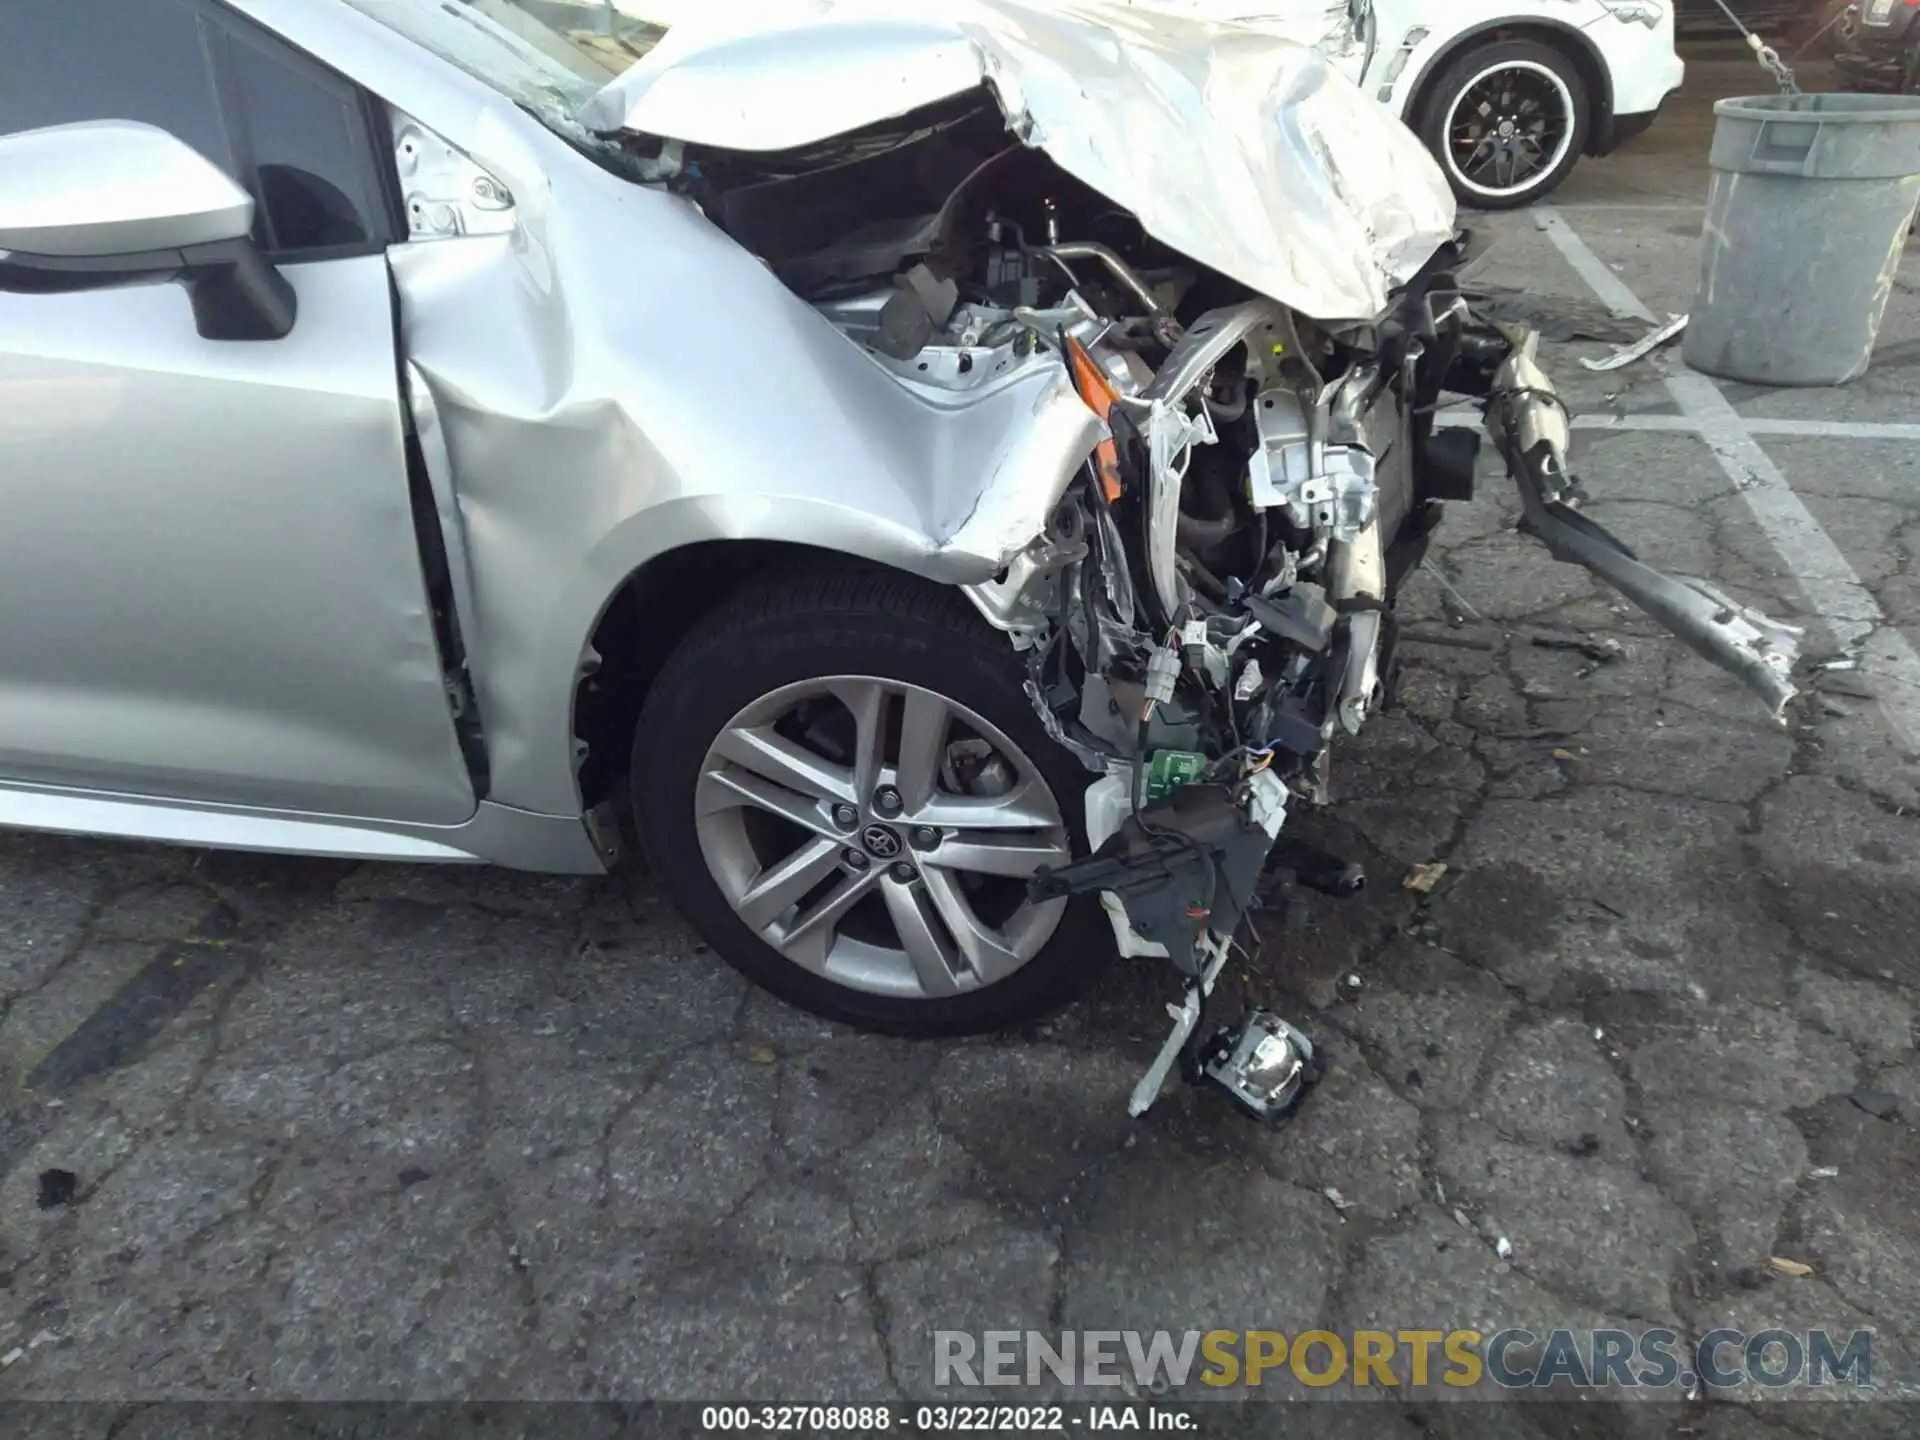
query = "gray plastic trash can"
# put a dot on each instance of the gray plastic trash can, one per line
(1811, 202)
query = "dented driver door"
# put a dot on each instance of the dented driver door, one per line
(208, 566)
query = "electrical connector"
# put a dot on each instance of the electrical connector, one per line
(1163, 670)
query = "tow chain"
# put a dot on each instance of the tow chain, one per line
(1768, 57)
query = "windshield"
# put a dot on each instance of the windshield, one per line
(548, 55)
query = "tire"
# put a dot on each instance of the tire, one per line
(1545, 77)
(765, 658)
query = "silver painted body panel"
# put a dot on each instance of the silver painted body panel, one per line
(149, 191)
(207, 561)
(214, 596)
(287, 662)
(495, 834)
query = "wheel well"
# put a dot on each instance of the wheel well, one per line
(1577, 49)
(647, 618)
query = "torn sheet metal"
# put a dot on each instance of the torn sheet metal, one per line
(1230, 143)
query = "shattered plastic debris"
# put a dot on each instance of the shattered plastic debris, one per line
(1337, 1200)
(1784, 1266)
(1422, 878)
(1503, 1247)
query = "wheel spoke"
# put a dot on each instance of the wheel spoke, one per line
(733, 788)
(772, 756)
(924, 722)
(935, 963)
(1017, 856)
(988, 954)
(784, 884)
(1026, 807)
(867, 701)
(810, 938)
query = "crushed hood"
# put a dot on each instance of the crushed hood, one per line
(1234, 143)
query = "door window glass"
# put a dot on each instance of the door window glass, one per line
(63, 61)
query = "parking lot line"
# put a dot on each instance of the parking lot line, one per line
(1832, 587)
(1756, 425)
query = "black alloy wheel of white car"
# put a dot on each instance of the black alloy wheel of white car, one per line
(1507, 121)
(840, 781)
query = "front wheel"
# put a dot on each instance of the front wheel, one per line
(842, 784)
(1507, 122)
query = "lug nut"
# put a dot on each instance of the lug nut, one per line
(887, 800)
(925, 837)
(855, 859)
(903, 872)
(845, 816)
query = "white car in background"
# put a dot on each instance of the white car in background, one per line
(1507, 94)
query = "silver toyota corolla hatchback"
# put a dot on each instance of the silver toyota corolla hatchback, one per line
(951, 476)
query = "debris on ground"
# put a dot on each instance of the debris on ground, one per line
(1338, 1201)
(1422, 878)
(1463, 610)
(1350, 984)
(1784, 1266)
(1503, 1247)
(1824, 1172)
(1602, 651)
(761, 1055)
(1460, 1219)
(1565, 755)
(10, 1357)
(1559, 318)
(57, 1188)
(1639, 350)
(1877, 1103)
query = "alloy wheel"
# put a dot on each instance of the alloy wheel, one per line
(880, 835)
(1509, 128)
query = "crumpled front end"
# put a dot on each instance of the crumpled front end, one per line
(1203, 594)
(1212, 608)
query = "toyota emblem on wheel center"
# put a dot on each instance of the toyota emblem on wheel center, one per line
(881, 842)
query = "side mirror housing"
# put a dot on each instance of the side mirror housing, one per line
(113, 202)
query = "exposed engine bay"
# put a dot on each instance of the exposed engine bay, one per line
(1210, 605)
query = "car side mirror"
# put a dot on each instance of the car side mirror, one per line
(112, 202)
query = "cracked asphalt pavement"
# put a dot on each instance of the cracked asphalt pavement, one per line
(346, 1131)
